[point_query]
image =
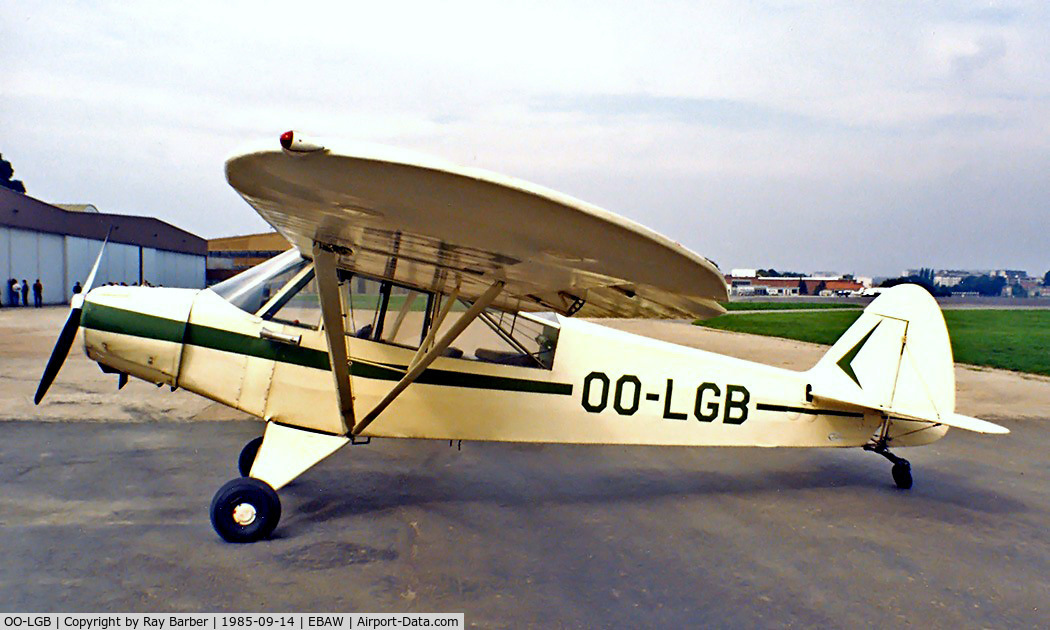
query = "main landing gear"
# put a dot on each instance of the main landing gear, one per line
(901, 467)
(245, 509)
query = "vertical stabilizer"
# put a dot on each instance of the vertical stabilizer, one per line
(896, 357)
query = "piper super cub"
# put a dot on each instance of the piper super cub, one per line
(423, 299)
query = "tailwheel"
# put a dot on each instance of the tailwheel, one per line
(247, 457)
(901, 467)
(245, 510)
(902, 474)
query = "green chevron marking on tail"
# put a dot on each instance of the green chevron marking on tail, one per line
(847, 358)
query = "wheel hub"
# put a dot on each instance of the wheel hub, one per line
(244, 514)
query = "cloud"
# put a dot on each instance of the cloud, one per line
(762, 134)
(715, 112)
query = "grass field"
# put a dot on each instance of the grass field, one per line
(786, 306)
(1012, 340)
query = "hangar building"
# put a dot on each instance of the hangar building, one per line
(230, 255)
(58, 246)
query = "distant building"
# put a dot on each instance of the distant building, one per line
(952, 277)
(947, 280)
(1034, 287)
(787, 287)
(762, 286)
(833, 287)
(1011, 275)
(230, 255)
(41, 240)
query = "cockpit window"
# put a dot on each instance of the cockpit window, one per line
(283, 289)
(251, 289)
(296, 303)
(518, 339)
(381, 311)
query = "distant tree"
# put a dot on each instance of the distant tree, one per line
(6, 172)
(984, 285)
(935, 289)
(1046, 279)
(773, 273)
(1018, 291)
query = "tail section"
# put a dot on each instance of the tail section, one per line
(896, 358)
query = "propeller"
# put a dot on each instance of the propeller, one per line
(69, 332)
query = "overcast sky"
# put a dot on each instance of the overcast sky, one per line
(848, 136)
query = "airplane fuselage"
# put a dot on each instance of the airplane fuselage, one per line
(605, 386)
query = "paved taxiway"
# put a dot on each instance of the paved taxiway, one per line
(113, 516)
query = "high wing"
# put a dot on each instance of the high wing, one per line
(432, 225)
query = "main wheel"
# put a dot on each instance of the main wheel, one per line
(902, 475)
(245, 510)
(247, 457)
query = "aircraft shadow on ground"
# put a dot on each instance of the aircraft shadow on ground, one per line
(326, 495)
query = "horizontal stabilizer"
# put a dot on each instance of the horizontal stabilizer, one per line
(972, 424)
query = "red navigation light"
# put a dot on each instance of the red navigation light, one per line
(295, 143)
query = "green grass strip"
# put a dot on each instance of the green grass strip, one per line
(1008, 339)
(786, 306)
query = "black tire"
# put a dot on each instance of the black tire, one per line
(251, 496)
(902, 475)
(247, 457)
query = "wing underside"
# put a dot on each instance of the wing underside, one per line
(431, 225)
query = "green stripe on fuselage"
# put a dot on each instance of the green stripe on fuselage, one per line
(227, 341)
(117, 320)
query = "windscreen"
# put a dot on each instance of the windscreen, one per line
(250, 289)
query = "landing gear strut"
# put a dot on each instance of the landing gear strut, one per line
(901, 467)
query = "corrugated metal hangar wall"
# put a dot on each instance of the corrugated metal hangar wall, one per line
(38, 240)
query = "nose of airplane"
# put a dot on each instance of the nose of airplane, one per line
(137, 330)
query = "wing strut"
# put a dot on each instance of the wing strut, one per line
(420, 364)
(332, 316)
(450, 300)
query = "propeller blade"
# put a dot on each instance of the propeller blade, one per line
(69, 331)
(59, 354)
(94, 269)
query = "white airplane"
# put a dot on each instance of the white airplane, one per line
(427, 300)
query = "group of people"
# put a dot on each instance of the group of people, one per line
(19, 294)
